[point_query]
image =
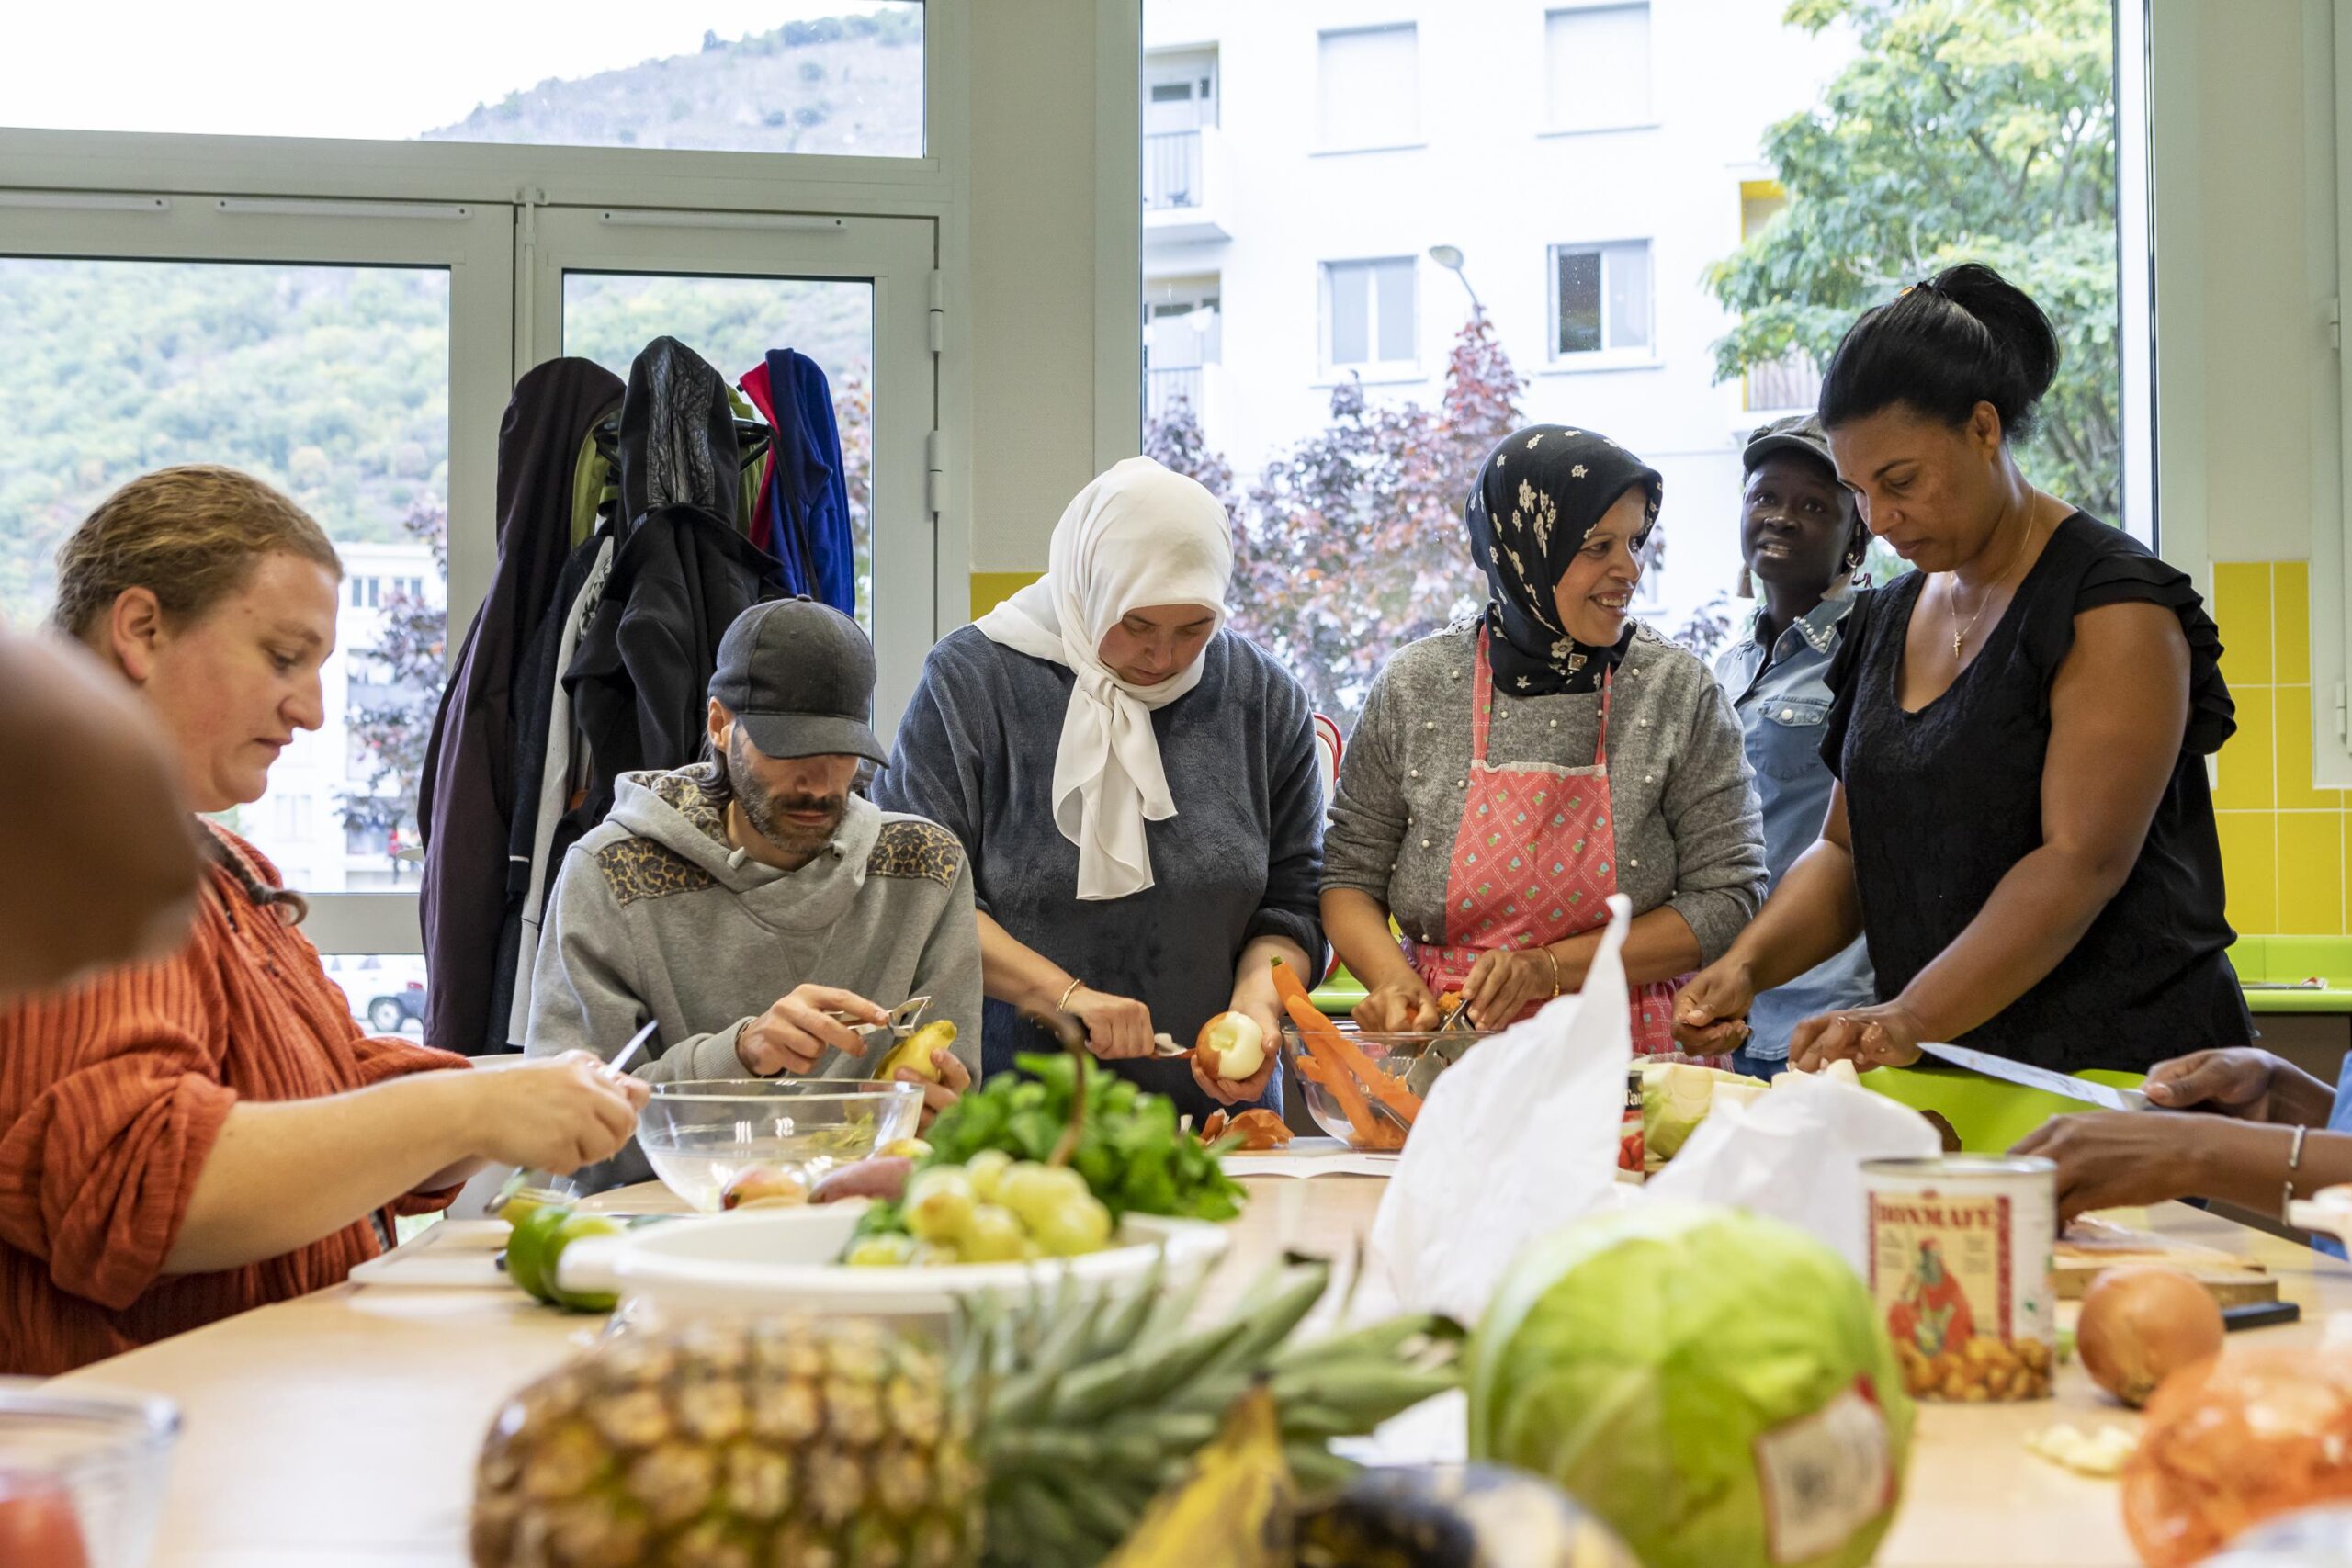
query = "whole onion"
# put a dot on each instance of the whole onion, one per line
(2141, 1325)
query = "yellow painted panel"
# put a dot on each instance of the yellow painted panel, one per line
(2290, 616)
(2248, 759)
(2241, 607)
(2293, 715)
(2250, 868)
(990, 589)
(2311, 872)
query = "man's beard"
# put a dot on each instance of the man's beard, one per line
(766, 811)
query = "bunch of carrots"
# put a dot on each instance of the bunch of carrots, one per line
(1333, 1061)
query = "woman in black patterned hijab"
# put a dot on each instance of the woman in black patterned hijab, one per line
(1512, 774)
(1546, 517)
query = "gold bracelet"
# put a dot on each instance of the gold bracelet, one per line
(1556, 968)
(1074, 988)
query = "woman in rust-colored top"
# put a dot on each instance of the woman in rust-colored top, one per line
(187, 1139)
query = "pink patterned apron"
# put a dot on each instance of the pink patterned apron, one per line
(1535, 861)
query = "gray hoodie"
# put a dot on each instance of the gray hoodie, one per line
(657, 917)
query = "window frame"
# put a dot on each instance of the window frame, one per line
(1331, 371)
(91, 183)
(1608, 356)
(1413, 134)
(1553, 125)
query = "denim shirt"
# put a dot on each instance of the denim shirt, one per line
(1780, 707)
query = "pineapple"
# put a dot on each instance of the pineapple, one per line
(1039, 1438)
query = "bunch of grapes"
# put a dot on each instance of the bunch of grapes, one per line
(991, 1209)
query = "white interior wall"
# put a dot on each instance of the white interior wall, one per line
(1055, 351)
(2244, 262)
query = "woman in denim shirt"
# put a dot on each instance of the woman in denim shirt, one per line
(1803, 539)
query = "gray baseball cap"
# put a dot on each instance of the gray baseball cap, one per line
(1796, 433)
(798, 676)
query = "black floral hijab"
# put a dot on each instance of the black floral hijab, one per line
(1538, 496)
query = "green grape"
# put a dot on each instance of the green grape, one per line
(987, 1169)
(1078, 1226)
(939, 1202)
(887, 1251)
(1033, 1190)
(993, 1235)
(935, 1255)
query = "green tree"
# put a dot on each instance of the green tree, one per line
(1962, 130)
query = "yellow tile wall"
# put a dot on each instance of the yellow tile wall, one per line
(990, 589)
(2286, 847)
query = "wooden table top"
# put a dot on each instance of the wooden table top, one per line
(342, 1428)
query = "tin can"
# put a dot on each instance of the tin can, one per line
(1630, 1151)
(1960, 1248)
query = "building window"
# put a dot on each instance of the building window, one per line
(1371, 85)
(1181, 340)
(1597, 61)
(1600, 298)
(1368, 314)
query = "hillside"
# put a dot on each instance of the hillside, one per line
(332, 382)
(851, 85)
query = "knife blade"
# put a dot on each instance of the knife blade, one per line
(2042, 1078)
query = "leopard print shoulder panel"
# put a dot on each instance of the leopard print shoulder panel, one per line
(638, 868)
(923, 850)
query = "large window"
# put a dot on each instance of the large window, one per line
(331, 383)
(1369, 314)
(1597, 64)
(838, 77)
(1370, 87)
(1600, 298)
(1651, 218)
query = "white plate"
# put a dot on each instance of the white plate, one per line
(782, 1260)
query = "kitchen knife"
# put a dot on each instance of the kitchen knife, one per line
(2042, 1078)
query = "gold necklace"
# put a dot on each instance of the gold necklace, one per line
(1951, 600)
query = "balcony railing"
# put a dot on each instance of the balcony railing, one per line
(1171, 170)
(1166, 385)
(1788, 383)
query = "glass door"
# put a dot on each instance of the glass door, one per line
(354, 355)
(853, 295)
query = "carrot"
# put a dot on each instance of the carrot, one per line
(1333, 1076)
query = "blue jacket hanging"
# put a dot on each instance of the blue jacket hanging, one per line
(804, 504)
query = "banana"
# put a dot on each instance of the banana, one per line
(1234, 1506)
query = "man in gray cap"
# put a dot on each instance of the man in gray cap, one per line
(741, 901)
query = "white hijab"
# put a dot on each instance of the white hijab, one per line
(1137, 536)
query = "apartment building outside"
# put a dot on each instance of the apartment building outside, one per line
(1328, 183)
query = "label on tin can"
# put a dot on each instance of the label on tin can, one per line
(1630, 1152)
(1960, 1267)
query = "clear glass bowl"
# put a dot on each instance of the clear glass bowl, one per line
(702, 1133)
(82, 1475)
(1417, 1059)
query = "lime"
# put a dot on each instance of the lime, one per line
(573, 1227)
(529, 1250)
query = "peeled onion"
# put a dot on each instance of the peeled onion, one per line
(1232, 1046)
(2141, 1325)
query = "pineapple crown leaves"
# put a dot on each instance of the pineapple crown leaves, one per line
(1086, 1403)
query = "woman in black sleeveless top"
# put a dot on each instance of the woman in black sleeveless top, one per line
(2022, 827)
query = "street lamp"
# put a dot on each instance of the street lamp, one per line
(1450, 258)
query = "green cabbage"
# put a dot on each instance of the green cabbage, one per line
(1655, 1361)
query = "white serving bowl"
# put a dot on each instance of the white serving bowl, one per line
(774, 1260)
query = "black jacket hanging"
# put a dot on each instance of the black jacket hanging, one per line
(466, 797)
(639, 682)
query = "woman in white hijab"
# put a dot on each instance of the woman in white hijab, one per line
(1136, 784)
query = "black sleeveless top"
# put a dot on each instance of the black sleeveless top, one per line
(1943, 802)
